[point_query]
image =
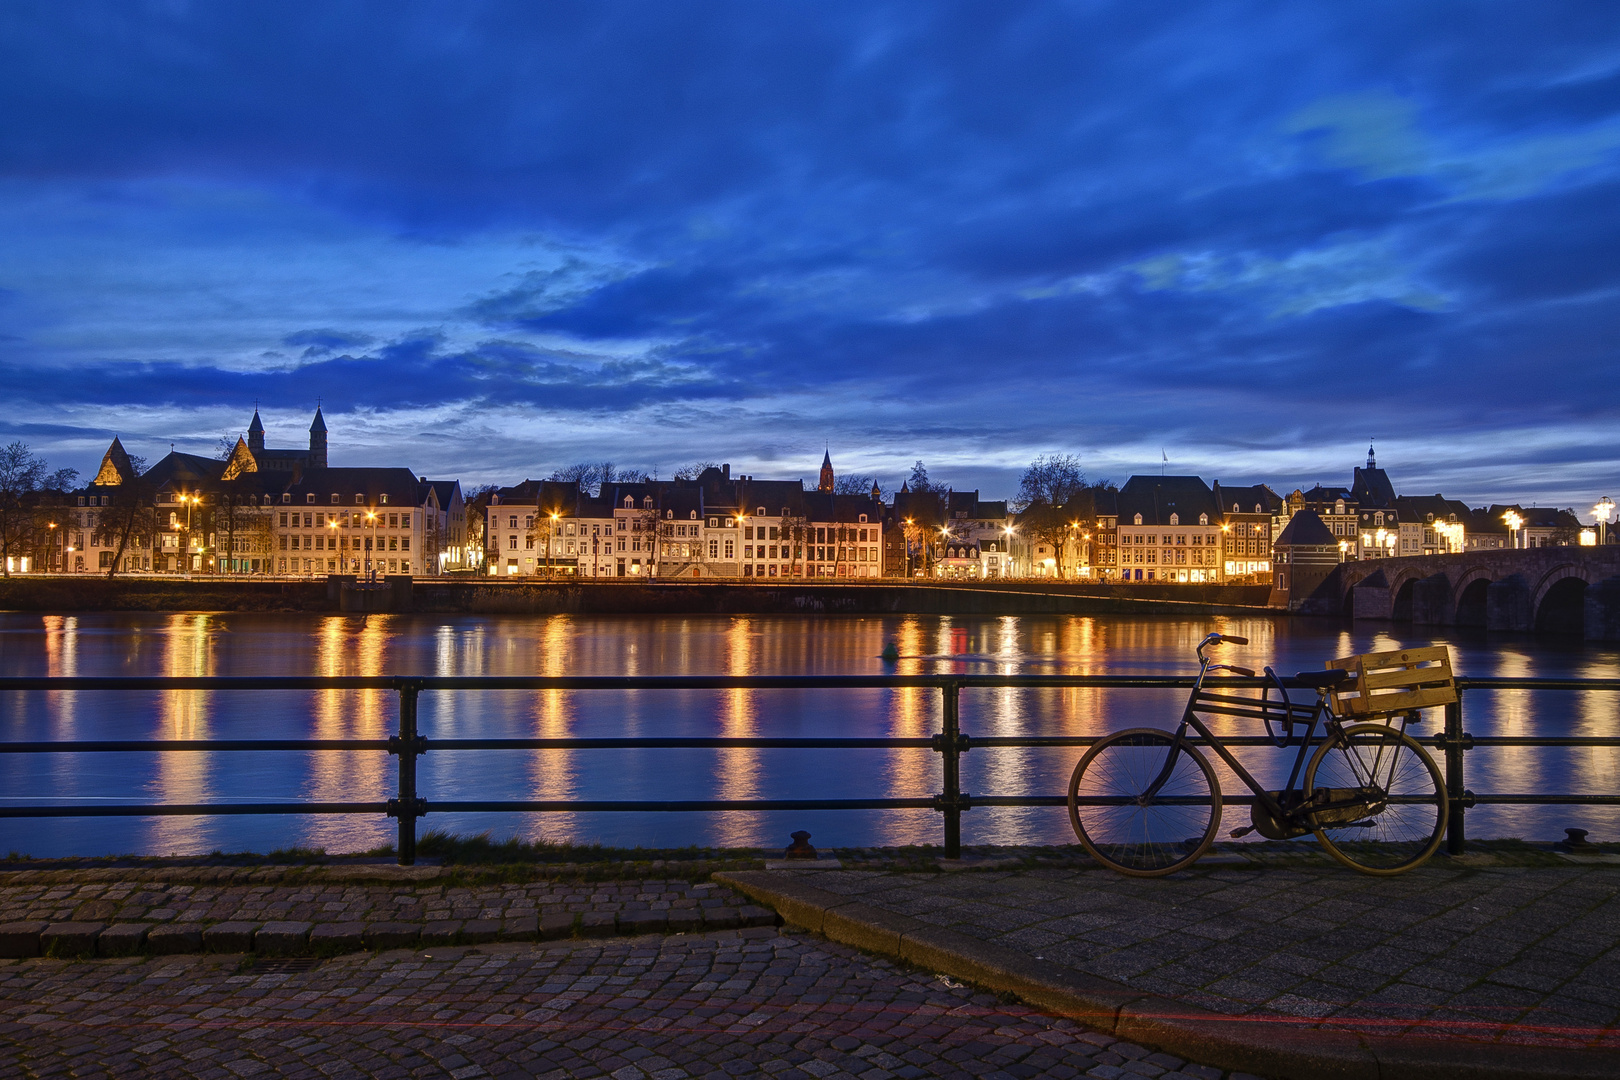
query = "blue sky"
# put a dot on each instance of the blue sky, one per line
(497, 238)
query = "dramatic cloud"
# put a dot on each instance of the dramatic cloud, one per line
(493, 238)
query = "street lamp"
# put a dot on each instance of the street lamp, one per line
(1602, 511)
(189, 500)
(550, 535)
(1513, 522)
(52, 526)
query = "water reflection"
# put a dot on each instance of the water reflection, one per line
(184, 714)
(579, 645)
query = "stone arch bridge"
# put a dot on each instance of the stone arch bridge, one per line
(1551, 590)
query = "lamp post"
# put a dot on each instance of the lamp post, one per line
(371, 519)
(189, 500)
(52, 526)
(1602, 511)
(550, 534)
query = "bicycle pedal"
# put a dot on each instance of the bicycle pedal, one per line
(1243, 831)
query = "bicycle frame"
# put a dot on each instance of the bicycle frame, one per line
(1283, 711)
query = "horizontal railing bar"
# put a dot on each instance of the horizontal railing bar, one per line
(190, 809)
(195, 745)
(706, 682)
(699, 743)
(678, 743)
(694, 805)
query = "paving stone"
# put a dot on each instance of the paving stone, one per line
(390, 935)
(479, 931)
(122, 939)
(556, 924)
(170, 938)
(754, 915)
(229, 937)
(20, 939)
(282, 938)
(520, 928)
(685, 920)
(337, 937)
(724, 918)
(594, 924)
(643, 922)
(441, 932)
(70, 938)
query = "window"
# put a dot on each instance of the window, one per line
(759, 511)
(310, 497)
(282, 522)
(1175, 519)
(692, 515)
(383, 499)
(1203, 519)
(714, 523)
(334, 498)
(714, 549)
(359, 499)
(731, 549)
(863, 519)
(1138, 519)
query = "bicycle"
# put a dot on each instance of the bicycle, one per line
(1146, 802)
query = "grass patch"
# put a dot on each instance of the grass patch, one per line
(483, 850)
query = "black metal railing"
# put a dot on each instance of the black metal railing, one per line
(950, 743)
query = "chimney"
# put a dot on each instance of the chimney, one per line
(725, 472)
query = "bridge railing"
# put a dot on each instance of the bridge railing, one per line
(950, 742)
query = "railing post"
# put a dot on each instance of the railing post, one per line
(950, 744)
(1456, 834)
(407, 744)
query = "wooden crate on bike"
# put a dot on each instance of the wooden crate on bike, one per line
(1387, 683)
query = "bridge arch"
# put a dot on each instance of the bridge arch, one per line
(1468, 594)
(1558, 600)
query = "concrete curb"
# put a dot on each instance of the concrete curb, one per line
(1260, 1045)
(25, 940)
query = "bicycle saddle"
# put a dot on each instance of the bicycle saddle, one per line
(1317, 680)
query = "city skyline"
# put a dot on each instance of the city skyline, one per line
(1246, 238)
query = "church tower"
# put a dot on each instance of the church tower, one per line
(255, 439)
(317, 441)
(826, 484)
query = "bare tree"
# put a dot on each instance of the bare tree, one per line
(1044, 492)
(22, 473)
(920, 483)
(130, 518)
(853, 485)
(695, 470)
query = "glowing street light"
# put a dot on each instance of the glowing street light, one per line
(1514, 521)
(1603, 511)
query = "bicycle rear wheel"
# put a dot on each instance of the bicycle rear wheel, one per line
(1125, 829)
(1383, 800)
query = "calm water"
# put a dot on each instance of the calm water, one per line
(200, 644)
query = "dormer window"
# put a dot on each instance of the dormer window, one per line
(310, 498)
(359, 500)
(1257, 509)
(383, 499)
(334, 498)
(1338, 507)
(1175, 519)
(286, 497)
(1138, 519)
(759, 511)
(692, 516)
(863, 519)
(1203, 519)
(646, 503)
(1234, 508)
(629, 502)
(669, 515)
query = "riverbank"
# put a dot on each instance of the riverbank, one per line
(493, 596)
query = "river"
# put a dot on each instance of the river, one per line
(241, 644)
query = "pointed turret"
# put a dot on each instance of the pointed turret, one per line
(116, 468)
(255, 438)
(241, 461)
(877, 495)
(317, 441)
(826, 484)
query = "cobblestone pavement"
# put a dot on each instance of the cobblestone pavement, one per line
(307, 912)
(763, 1002)
(1518, 954)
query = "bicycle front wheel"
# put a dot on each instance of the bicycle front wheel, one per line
(1128, 830)
(1382, 801)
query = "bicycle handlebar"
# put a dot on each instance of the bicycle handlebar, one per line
(1233, 639)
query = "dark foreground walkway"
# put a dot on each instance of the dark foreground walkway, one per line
(376, 971)
(1298, 969)
(744, 1003)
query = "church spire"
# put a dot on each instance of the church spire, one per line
(826, 484)
(317, 441)
(255, 436)
(1372, 463)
